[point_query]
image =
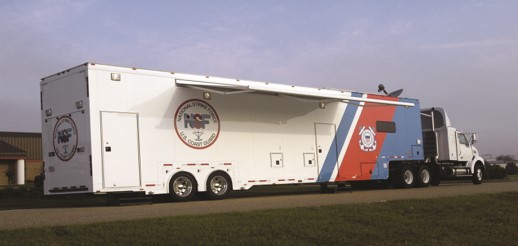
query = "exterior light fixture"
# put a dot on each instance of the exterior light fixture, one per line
(206, 96)
(116, 76)
(79, 104)
(322, 105)
(48, 112)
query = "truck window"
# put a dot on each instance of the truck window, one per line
(462, 139)
(386, 126)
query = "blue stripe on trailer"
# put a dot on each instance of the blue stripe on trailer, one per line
(339, 140)
(403, 143)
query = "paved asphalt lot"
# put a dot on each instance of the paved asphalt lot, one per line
(13, 219)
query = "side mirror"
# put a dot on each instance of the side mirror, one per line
(473, 138)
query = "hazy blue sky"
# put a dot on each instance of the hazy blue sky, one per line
(461, 55)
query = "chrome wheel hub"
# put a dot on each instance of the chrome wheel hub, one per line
(218, 185)
(182, 186)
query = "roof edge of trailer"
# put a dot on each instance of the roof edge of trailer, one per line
(236, 86)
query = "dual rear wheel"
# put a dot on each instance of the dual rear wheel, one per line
(183, 186)
(406, 176)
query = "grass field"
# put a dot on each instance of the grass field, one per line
(463, 220)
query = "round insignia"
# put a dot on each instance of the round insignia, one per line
(65, 138)
(367, 139)
(197, 124)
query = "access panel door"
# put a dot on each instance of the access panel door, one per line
(120, 148)
(327, 154)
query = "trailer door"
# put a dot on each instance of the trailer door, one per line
(327, 154)
(67, 162)
(120, 148)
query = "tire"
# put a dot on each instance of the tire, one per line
(219, 186)
(478, 174)
(182, 187)
(424, 176)
(404, 177)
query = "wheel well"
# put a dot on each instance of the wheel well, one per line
(479, 163)
(393, 165)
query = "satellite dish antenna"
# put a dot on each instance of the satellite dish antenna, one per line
(396, 93)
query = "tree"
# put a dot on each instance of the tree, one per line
(505, 158)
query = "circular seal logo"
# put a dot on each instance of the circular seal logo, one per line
(197, 124)
(65, 138)
(367, 139)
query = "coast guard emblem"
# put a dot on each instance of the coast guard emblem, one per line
(367, 139)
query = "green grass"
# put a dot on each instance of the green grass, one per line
(490, 219)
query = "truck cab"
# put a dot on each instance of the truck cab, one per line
(452, 152)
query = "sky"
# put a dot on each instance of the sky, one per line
(459, 55)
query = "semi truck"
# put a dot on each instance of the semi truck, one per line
(111, 129)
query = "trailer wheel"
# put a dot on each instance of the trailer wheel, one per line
(219, 185)
(404, 177)
(478, 174)
(424, 176)
(182, 187)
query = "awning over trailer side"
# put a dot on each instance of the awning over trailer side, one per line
(295, 92)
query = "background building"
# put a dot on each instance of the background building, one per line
(20, 157)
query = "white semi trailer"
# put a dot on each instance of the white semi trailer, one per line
(109, 129)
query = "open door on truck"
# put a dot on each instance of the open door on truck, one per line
(120, 148)
(327, 154)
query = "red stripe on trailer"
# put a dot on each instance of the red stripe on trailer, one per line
(227, 164)
(191, 164)
(205, 164)
(150, 185)
(281, 180)
(291, 179)
(168, 165)
(262, 181)
(251, 181)
(354, 154)
(311, 179)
